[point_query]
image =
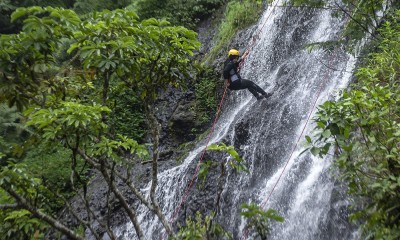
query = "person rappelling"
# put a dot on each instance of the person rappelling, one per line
(233, 79)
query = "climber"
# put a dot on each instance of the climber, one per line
(233, 79)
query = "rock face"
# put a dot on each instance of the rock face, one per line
(182, 121)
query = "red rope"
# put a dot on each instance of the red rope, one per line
(255, 38)
(183, 199)
(298, 140)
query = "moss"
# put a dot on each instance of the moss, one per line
(206, 98)
(238, 15)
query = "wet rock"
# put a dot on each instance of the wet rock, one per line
(182, 121)
(241, 134)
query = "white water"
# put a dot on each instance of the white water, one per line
(303, 196)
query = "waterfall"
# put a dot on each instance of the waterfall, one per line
(306, 195)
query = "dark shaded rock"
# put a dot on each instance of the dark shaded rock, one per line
(182, 121)
(241, 134)
(203, 196)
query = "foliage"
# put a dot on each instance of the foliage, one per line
(20, 223)
(146, 55)
(205, 92)
(203, 170)
(11, 124)
(364, 127)
(87, 6)
(52, 164)
(201, 229)
(69, 119)
(238, 15)
(258, 219)
(68, 104)
(127, 116)
(238, 164)
(364, 17)
(26, 59)
(6, 8)
(14, 134)
(179, 12)
(80, 6)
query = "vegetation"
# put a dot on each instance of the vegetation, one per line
(364, 129)
(77, 91)
(187, 13)
(7, 7)
(206, 94)
(199, 229)
(18, 223)
(238, 15)
(364, 18)
(68, 104)
(257, 218)
(11, 128)
(65, 75)
(88, 6)
(127, 114)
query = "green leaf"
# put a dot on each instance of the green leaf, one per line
(150, 21)
(315, 151)
(320, 124)
(347, 133)
(326, 133)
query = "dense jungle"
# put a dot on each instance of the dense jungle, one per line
(100, 101)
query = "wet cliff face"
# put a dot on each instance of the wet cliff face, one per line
(268, 134)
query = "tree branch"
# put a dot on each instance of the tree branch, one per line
(132, 215)
(355, 20)
(154, 126)
(130, 211)
(108, 222)
(43, 216)
(134, 189)
(9, 206)
(88, 159)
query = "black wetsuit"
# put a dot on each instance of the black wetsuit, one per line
(236, 82)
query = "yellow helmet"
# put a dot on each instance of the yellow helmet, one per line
(233, 52)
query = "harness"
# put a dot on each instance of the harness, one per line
(233, 73)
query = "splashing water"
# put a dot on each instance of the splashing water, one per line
(306, 195)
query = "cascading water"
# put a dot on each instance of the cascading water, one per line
(269, 131)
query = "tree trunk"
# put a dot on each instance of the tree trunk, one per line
(155, 132)
(131, 213)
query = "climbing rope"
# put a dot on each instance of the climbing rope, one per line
(257, 35)
(183, 199)
(327, 73)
